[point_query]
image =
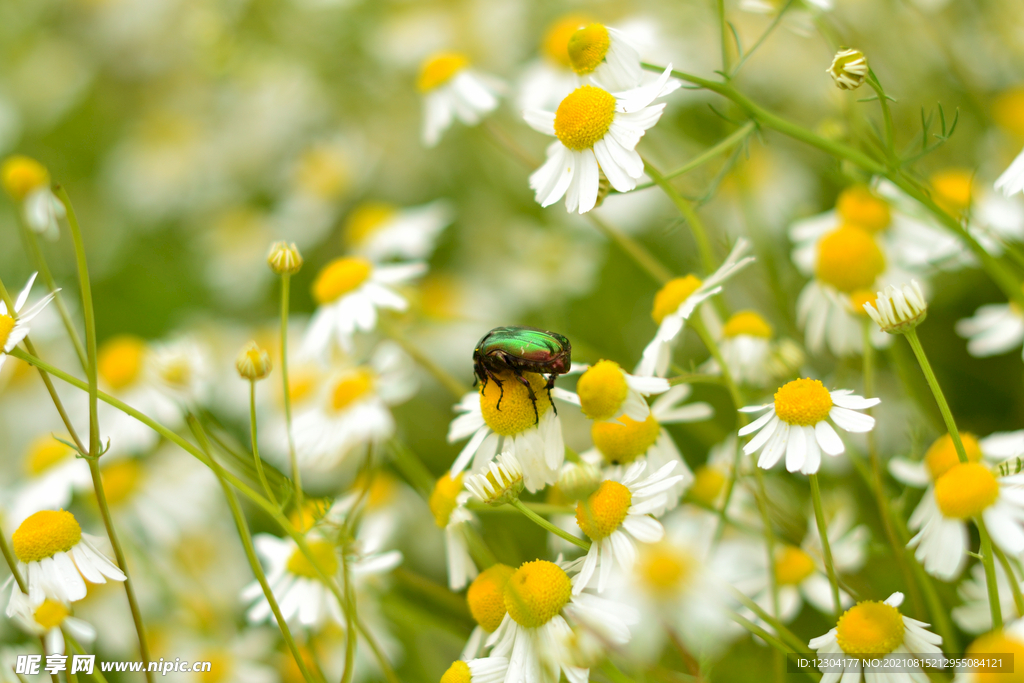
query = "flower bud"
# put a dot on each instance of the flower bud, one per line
(501, 483)
(578, 480)
(849, 69)
(899, 310)
(284, 258)
(253, 363)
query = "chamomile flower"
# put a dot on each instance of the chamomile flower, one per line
(540, 613)
(28, 183)
(606, 57)
(597, 132)
(484, 670)
(875, 628)
(974, 613)
(616, 516)
(546, 80)
(606, 391)
(55, 555)
(675, 303)
(498, 414)
(14, 324)
(52, 473)
(486, 601)
(1008, 640)
(796, 424)
(451, 89)
(746, 347)
(348, 291)
(379, 231)
(993, 329)
(448, 505)
(45, 618)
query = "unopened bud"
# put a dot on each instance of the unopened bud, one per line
(899, 310)
(253, 363)
(284, 258)
(849, 69)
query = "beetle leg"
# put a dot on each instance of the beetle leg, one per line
(533, 397)
(549, 386)
(501, 388)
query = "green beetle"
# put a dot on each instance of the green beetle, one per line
(522, 349)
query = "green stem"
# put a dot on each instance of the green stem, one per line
(990, 574)
(539, 508)
(453, 385)
(414, 471)
(1011, 576)
(788, 636)
(738, 136)
(700, 233)
(883, 101)
(771, 640)
(940, 398)
(819, 516)
(724, 31)
(286, 280)
(255, 448)
(545, 524)
(764, 36)
(76, 648)
(636, 251)
(350, 631)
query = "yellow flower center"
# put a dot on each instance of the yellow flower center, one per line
(350, 389)
(941, 455)
(584, 117)
(663, 568)
(50, 614)
(998, 643)
(119, 361)
(44, 453)
(602, 390)
(221, 668)
(486, 596)
(45, 534)
(860, 297)
(707, 483)
(858, 205)
(458, 672)
(324, 555)
(803, 402)
(588, 47)
(849, 259)
(442, 500)
(382, 489)
(602, 513)
(536, 592)
(323, 173)
(953, 189)
(870, 628)
(21, 175)
(625, 439)
(6, 325)
(670, 297)
(339, 277)
(965, 490)
(556, 40)
(1008, 111)
(313, 510)
(365, 220)
(792, 565)
(439, 69)
(302, 382)
(747, 323)
(515, 413)
(120, 480)
(177, 371)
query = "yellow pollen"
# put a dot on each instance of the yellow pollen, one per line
(965, 490)
(624, 440)
(486, 596)
(941, 455)
(365, 220)
(458, 672)
(860, 297)
(351, 388)
(604, 511)
(588, 47)
(953, 190)
(849, 259)
(747, 323)
(997, 643)
(792, 565)
(50, 614)
(663, 568)
(536, 592)
(556, 40)
(803, 402)
(602, 390)
(323, 173)
(323, 553)
(22, 175)
(1008, 111)
(45, 534)
(120, 360)
(120, 480)
(707, 483)
(584, 117)
(870, 628)
(857, 205)
(339, 277)
(670, 297)
(6, 325)
(44, 453)
(515, 414)
(439, 69)
(442, 500)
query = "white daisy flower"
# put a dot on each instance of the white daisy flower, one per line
(541, 611)
(606, 391)
(183, 366)
(448, 504)
(994, 329)
(451, 89)
(380, 231)
(605, 56)
(991, 218)
(484, 670)
(52, 473)
(747, 349)
(795, 424)
(14, 325)
(486, 601)
(616, 516)
(876, 628)
(597, 131)
(974, 613)
(1012, 180)
(1008, 640)
(710, 482)
(45, 618)
(348, 292)
(675, 303)
(28, 183)
(56, 557)
(547, 80)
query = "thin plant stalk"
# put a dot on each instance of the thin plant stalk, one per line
(545, 524)
(819, 517)
(700, 233)
(940, 398)
(988, 561)
(255, 448)
(293, 459)
(727, 143)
